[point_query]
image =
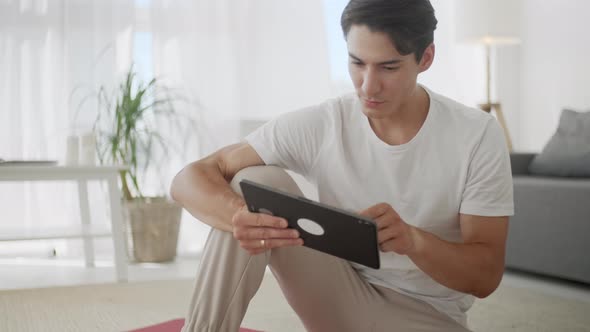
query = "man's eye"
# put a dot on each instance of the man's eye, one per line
(391, 68)
(356, 63)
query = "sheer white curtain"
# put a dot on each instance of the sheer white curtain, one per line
(240, 61)
(243, 58)
(49, 51)
(235, 59)
(52, 55)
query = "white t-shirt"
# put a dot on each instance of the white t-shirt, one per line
(458, 162)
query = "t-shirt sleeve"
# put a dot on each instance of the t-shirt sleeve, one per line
(489, 190)
(292, 140)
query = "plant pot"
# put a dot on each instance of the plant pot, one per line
(152, 226)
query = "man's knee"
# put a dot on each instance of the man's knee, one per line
(271, 176)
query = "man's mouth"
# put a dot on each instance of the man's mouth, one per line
(372, 103)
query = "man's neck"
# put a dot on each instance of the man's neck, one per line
(403, 125)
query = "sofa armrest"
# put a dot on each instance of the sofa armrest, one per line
(520, 161)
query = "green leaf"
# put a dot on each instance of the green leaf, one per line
(127, 126)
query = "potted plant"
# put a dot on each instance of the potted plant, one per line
(128, 128)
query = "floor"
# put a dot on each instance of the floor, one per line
(551, 286)
(43, 272)
(47, 272)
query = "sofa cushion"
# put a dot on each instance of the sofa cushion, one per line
(568, 152)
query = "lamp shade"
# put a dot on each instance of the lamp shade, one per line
(489, 22)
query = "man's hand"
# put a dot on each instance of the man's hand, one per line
(259, 232)
(393, 234)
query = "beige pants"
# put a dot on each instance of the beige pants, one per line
(325, 291)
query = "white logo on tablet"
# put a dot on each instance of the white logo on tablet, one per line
(310, 226)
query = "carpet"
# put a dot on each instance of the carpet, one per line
(124, 307)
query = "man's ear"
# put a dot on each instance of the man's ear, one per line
(427, 58)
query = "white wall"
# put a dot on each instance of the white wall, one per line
(534, 80)
(458, 70)
(549, 71)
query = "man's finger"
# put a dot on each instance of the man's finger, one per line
(376, 210)
(386, 234)
(251, 233)
(273, 233)
(264, 244)
(247, 218)
(389, 219)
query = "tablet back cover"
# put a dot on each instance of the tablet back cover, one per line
(345, 235)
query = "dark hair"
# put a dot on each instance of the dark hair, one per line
(410, 24)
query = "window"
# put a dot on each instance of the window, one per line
(143, 52)
(337, 45)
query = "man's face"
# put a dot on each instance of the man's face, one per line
(384, 80)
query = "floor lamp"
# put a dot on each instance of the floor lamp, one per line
(489, 23)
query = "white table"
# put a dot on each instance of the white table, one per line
(80, 174)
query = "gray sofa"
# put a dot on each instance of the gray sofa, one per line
(550, 231)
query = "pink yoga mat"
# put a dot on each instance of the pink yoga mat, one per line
(173, 326)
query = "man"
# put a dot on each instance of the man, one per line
(433, 174)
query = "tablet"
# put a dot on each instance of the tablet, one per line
(322, 227)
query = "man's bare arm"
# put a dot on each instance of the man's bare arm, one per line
(203, 189)
(475, 266)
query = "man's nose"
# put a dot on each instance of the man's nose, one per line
(371, 84)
